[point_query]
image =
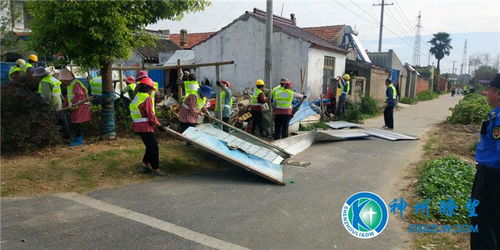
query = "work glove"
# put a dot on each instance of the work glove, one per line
(162, 129)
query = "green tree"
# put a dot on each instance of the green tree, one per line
(440, 46)
(485, 72)
(97, 33)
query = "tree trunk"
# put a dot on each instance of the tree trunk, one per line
(436, 76)
(108, 107)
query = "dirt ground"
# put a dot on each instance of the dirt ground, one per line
(443, 140)
(96, 165)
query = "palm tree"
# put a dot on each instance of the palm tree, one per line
(440, 46)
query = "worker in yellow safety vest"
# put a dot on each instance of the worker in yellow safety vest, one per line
(283, 109)
(226, 100)
(390, 99)
(16, 70)
(49, 88)
(191, 85)
(193, 106)
(257, 103)
(144, 124)
(30, 66)
(344, 85)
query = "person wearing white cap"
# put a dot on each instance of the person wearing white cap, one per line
(77, 101)
(49, 88)
(16, 70)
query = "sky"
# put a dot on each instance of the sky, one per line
(475, 20)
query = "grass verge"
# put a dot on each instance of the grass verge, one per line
(450, 143)
(98, 165)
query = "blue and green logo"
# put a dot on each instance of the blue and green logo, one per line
(364, 215)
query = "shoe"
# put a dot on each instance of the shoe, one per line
(145, 170)
(387, 128)
(77, 141)
(158, 172)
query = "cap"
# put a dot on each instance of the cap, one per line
(40, 71)
(205, 91)
(148, 81)
(33, 57)
(65, 75)
(388, 80)
(226, 83)
(495, 82)
(141, 75)
(130, 79)
(20, 62)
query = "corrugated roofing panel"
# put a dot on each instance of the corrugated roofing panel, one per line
(342, 124)
(388, 135)
(210, 143)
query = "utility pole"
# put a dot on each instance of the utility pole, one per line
(381, 23)
(416, 49)
(429, 58)
(268, 60)
(453, 69)
(464, 58)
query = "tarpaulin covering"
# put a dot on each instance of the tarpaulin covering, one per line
(304, 111)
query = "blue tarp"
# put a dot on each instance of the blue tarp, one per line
(250, 162)
(304, 111)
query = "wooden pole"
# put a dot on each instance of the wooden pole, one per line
(218, 100)
(173, 67)
(179, 79)
(121, 80)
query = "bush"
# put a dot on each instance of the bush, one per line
(369, 106)
(408, 100)
(443, 179)
(470, 110)
(319, 125)
(28, 122)
(427, 95)
(353, 112)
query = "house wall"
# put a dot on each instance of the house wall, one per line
(377, 83)
(314, 81)
(19, 22)
(244, 43)
(443, 84)
(422, 84)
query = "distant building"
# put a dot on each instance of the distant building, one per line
(294, 49)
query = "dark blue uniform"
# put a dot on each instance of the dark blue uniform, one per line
(486, 186)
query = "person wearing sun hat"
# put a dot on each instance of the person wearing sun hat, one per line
(486, 188)
(144, 124)
(194, 106)
(76, 100)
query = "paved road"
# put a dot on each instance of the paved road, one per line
(232, 208)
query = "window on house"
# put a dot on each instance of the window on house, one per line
(329, 62)
(27, 17)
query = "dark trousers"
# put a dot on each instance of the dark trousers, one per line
(185, 125)
(486, 190)
(281, 126)
(78, 129)
(341, 105)
(257, 122)
(63, 120)
(389, 116)
(226, 120)
(151, 156)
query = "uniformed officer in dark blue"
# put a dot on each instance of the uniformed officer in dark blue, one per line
(486, 188)
(390, 99)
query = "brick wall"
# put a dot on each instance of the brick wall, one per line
(443, 84)
(422, 84)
